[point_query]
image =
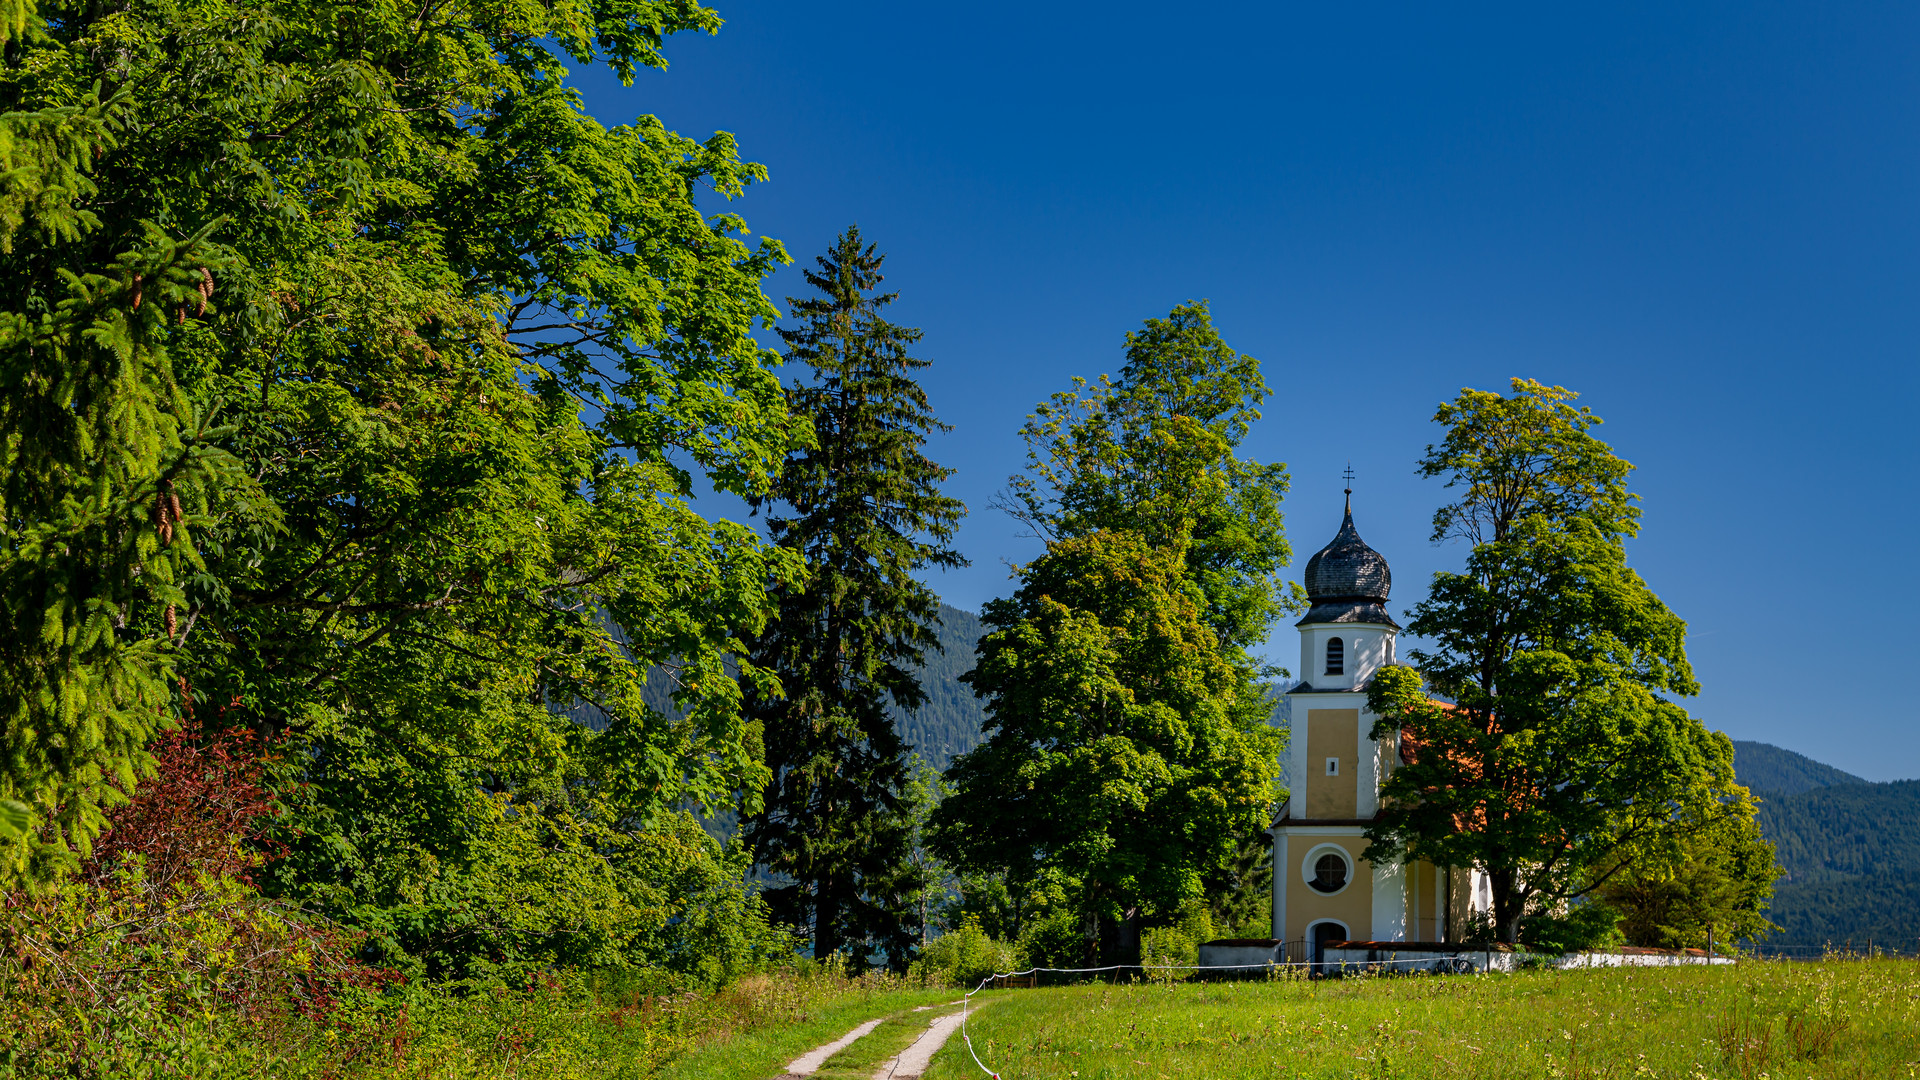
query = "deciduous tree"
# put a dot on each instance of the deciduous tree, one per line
(1116, 776)
(1560, 751)
(466, 347)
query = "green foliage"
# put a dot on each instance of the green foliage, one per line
(1117, 772)
(1052, 935)
(465, 344)
(1592, 925)
(1560, 755)
(863, 507)
(1717, 881)
(964, 956)
(1153, 453)
(111, 468)
(1178, 942)
(1525, 456)
(1119, 685)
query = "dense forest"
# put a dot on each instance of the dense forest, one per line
(1849, 850)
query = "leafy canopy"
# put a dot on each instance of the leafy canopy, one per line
(1154, 453)
(1560, 752)
(1118, 773)
(356, 379)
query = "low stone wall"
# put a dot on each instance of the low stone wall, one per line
(1638, 957)
(1451, 959)
(1244, 957)
(1248, 956)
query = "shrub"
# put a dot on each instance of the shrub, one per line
(1054, 940)
(1177, 943)
(1591, 925)
(135, 963)
(964, 957)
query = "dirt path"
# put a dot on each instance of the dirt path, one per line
(915, 1059)
(809, 1063)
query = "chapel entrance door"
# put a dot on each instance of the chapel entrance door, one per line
(1324, 933)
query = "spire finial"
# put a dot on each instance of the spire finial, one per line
(1349, 475)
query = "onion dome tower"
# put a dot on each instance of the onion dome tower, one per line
(1326, 889)
(1347, 581)
(1347, 634)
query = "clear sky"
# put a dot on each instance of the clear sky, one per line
(1703, 217)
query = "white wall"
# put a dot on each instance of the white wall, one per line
(1369, 647)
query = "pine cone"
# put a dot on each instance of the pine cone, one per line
(170, 622)
(206, 289)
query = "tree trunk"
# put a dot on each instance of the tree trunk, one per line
(826, 920)
(1507, 906)
(1120, 940)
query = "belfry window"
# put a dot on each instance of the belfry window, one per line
(1329, 873)
(1336, 656)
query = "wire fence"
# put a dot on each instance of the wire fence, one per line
(1867, 949)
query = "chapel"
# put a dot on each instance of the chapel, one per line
(1323, 889)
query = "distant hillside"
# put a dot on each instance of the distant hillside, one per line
(1850, 849)
(1767, 768)
(1846, 831)
(947, 726)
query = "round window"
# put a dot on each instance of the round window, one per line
(1329, 873)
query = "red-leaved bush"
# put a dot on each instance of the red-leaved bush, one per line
(163, 921)
(206, 811)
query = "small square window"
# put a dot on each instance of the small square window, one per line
(1333, 766)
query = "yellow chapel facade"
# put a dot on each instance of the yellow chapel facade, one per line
(1324, 890)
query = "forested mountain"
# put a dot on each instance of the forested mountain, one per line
(947, 726)
(1850, 850)
(1769, 769)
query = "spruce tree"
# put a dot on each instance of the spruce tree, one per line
(864, 508)
(107, 469)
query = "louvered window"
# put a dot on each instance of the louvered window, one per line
(1336, 656)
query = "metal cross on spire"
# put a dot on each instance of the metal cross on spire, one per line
(1349, 475)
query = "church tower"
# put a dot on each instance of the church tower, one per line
(1323, 890)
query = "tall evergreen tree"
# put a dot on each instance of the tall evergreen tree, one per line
(863, 506)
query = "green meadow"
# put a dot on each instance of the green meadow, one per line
(1771, 1020)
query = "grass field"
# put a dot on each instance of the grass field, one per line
(1854, 1019)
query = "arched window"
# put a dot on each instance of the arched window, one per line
(1336, 656)
(1329, 873)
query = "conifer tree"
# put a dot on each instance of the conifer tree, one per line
(109, 473)
(863, 506)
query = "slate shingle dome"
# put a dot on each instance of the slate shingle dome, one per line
(1347, 581)
(1348, 569)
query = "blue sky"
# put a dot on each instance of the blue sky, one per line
(1704, 217)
